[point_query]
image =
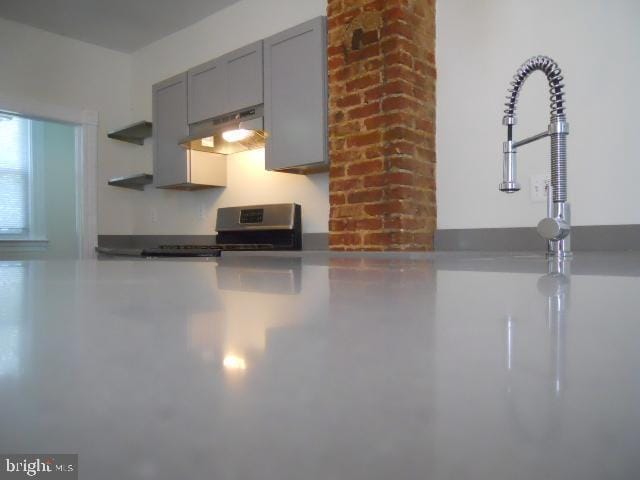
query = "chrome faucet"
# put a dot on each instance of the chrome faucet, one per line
(556, 228)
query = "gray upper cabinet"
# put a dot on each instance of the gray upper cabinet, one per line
(173, 166)
(207, 91)
(295, 98)
(227, 84)
(170, 126)
(244, 74)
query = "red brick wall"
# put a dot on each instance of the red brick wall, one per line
(382, 78)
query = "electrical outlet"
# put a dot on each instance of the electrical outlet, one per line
(203, 211)
(538, 190)
(153, 214)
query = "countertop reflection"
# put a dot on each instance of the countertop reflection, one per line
(325, 366)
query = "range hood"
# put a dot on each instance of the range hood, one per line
(229, 133)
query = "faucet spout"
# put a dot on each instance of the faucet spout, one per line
(558, 130)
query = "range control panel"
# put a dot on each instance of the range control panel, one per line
(279, 216)
(251, 215)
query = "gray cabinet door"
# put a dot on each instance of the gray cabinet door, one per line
(244, 77)
(295, 98)
(228, 83)
(170, 164)
(207, 90)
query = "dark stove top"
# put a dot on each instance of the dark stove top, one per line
(202, 250)
(182, 251)
(247, 246)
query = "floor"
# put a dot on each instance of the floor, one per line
(319, 366)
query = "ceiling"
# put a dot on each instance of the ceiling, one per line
(124, 25)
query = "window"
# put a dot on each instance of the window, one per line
(15, 172)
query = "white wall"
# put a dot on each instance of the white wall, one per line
(56, 70)
(480, 44)
(177, 212)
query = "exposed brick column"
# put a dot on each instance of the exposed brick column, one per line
(382, 78)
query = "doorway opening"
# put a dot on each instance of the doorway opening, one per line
(48, 164)
(38, 212)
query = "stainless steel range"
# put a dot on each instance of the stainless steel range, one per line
(253, 227)
(260, 227)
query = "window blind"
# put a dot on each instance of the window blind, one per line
(14, 174)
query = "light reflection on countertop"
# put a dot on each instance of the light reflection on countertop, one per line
(318, 366)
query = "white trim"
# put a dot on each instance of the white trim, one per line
(86, 122)
(25, 245)
(37, 209)
(34, 173)
(45, 111)
(86, 189)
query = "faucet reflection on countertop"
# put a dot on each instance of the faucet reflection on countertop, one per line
(555, 286)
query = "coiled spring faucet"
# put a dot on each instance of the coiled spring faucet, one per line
(556, 228)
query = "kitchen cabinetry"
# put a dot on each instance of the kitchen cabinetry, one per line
(295, 98)
(286, 72)
(227, 84)
(173, 166)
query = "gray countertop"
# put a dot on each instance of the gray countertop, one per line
(318, 366)
(582, 263)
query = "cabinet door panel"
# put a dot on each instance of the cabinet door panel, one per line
(296, 97)
(170, 164)
(207, 91)
(244, 77)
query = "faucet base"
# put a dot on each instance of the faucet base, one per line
(558, 243)
(554, 251)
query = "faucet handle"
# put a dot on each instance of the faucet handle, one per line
(553, 228)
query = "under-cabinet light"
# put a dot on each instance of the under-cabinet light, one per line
(237, 135)
(233, 362)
